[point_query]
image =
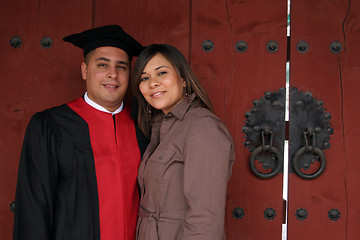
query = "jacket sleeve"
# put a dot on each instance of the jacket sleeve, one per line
(208, 159)
(36, 183)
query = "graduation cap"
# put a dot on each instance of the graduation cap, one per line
(110, 35)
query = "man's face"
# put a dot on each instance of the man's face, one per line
(107, 76)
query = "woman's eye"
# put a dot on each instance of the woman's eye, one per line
(144, 79)
(162, 73)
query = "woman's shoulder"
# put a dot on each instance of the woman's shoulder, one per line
(201, 122)
(200, 112)
(201, 118)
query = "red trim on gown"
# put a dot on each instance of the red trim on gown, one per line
(117, 158)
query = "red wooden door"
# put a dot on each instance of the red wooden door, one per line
(226, 44)
(334, 77)
(34, 77)
(254, 72)
(158, 21)
(148, 22)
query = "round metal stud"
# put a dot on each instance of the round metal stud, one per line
(335, 47)
(15, 42)
(245, 129)
(272, 46)
(334, 214)
(269, 214)
(46, 42)
(257, 128)
(267, 94)
(299, 104)
(320, 103)
(330, 130)
(318, 129)
(256, 102)
(302, 47)
(241, 46)
(247, 114)
(254, 110)
(12, 206)
(327, 116)
(301, 214)
(308, 94)
(238, 213)
(208, 46)
(276, 105)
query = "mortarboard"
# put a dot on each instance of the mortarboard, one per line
(110, 35)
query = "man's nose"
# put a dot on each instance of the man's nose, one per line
(112, 72)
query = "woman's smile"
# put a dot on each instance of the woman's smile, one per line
(157, 94)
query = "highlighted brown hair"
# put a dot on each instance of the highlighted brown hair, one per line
(177, 59)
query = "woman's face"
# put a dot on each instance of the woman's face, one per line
(161, 85)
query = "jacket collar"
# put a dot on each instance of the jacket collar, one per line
(179, 110)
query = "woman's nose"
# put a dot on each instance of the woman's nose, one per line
(154, 83)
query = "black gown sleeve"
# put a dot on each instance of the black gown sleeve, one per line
(37, 182)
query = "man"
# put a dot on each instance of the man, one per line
(79, 162)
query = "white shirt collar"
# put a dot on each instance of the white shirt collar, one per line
(101, 108)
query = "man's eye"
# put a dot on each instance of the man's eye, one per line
(102, 65)
(122, 67)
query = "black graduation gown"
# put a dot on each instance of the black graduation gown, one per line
(57, 195)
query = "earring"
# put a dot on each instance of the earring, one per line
(148, 109)
(148, 113)
(187, 96)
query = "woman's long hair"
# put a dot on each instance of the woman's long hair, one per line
(177, 59)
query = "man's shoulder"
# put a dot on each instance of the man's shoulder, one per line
(59, 115)
(63, 122)
(61, 111)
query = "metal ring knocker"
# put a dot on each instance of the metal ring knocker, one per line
(265, 148)
(309, 149)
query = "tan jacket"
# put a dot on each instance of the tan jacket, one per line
(183, 176)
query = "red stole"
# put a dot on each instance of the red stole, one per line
(117, 158)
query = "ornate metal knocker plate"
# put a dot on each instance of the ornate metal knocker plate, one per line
(265, 132)
(309, 134)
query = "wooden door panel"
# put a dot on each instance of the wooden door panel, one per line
(58, 76)
(254, 72)
(350, 77)
(211, 50)
(34, 78)
(318, 70)
(154, 21)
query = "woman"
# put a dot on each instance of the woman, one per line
(184, 171)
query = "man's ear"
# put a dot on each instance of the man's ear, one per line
(84, 70)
